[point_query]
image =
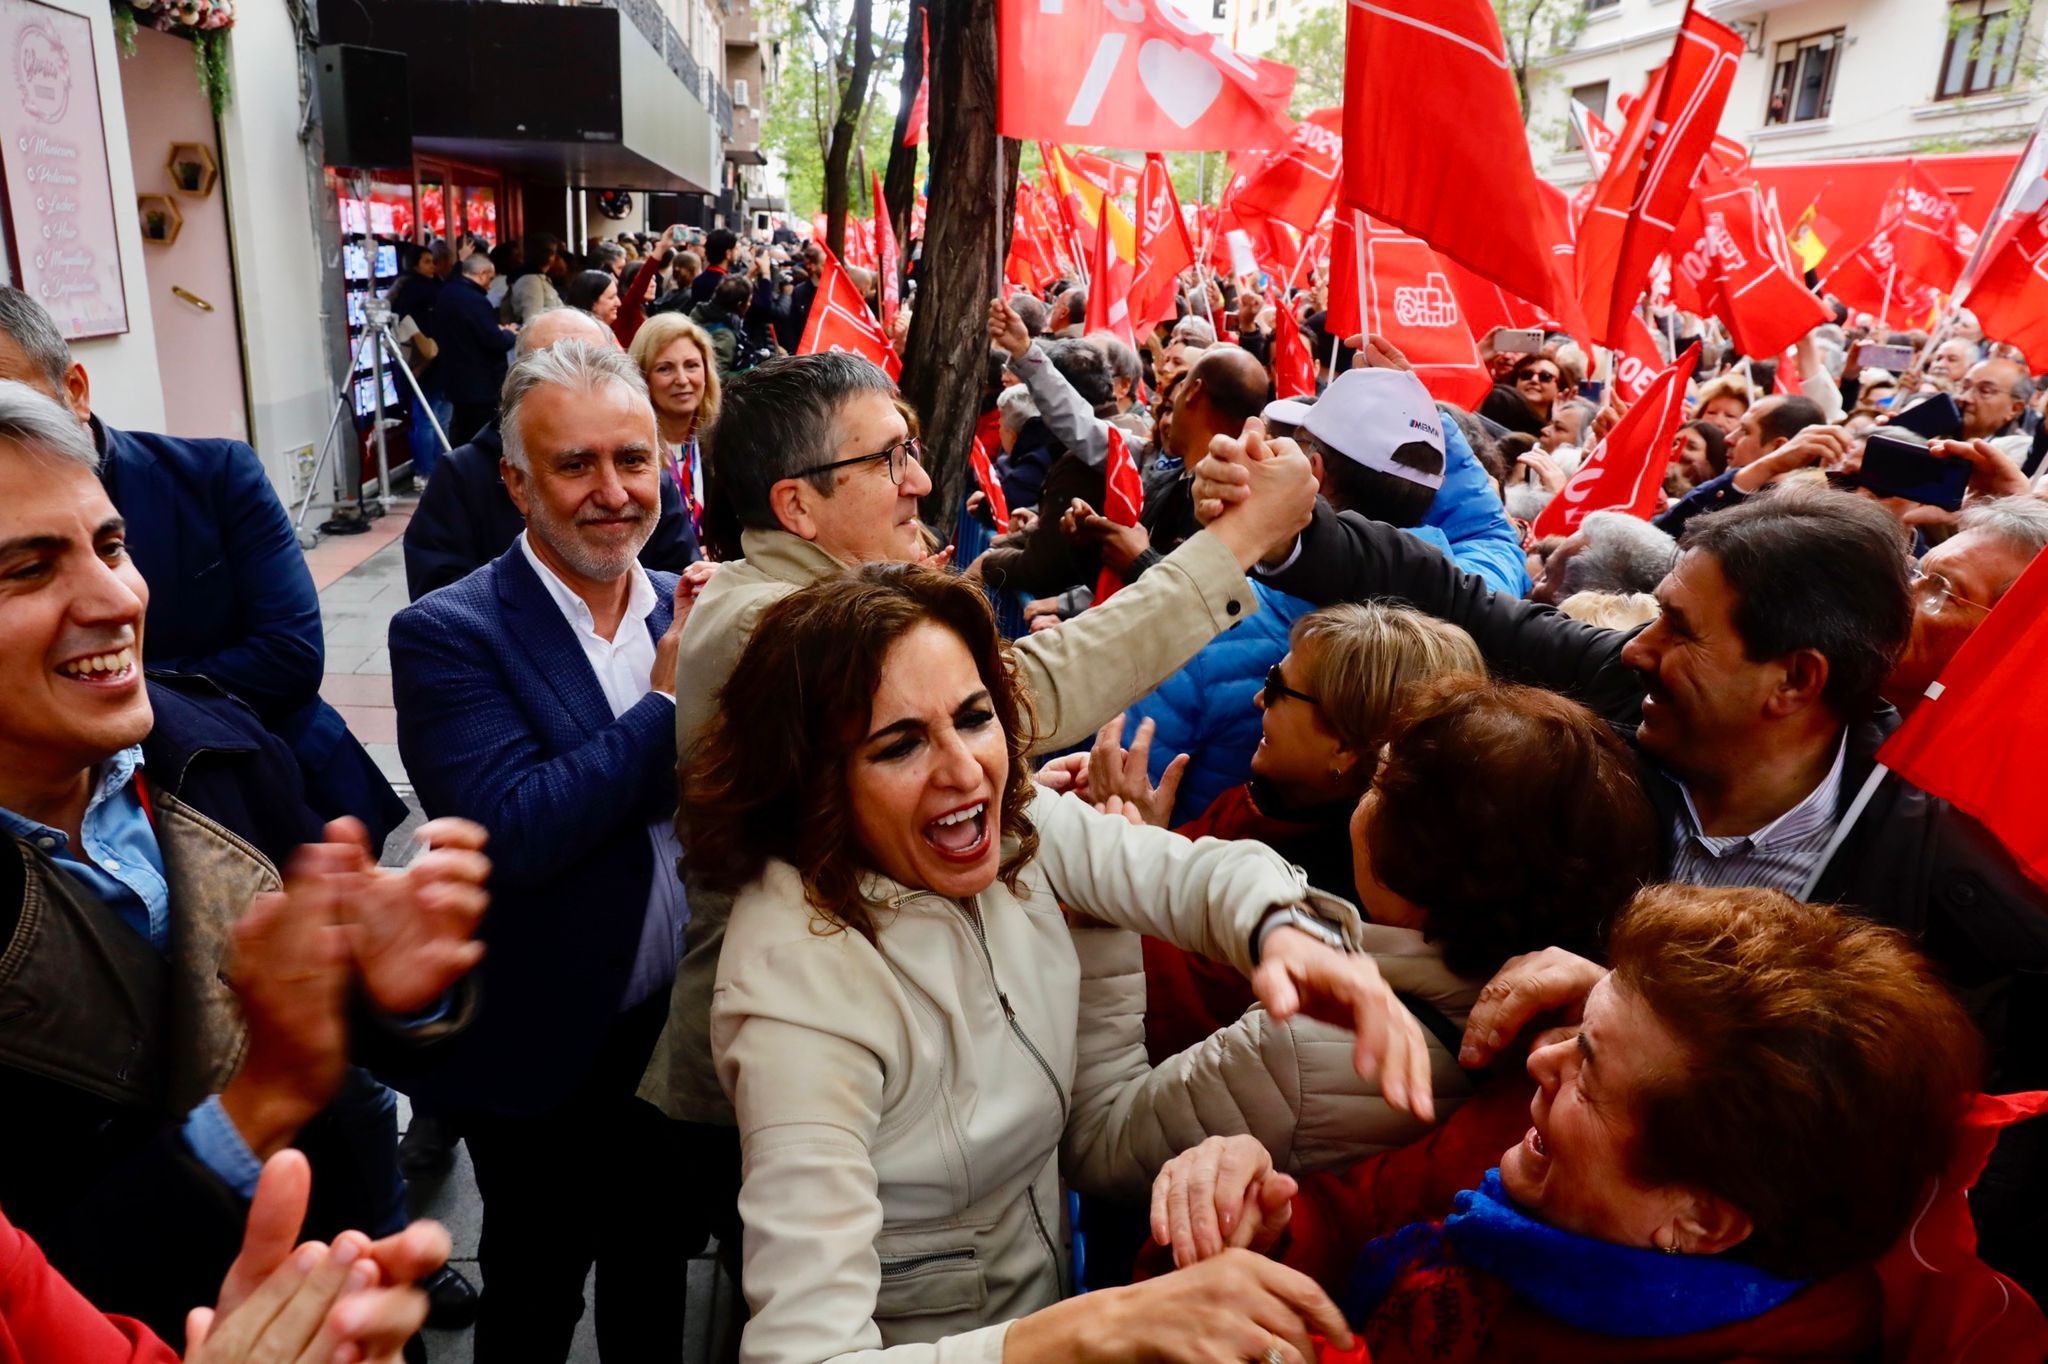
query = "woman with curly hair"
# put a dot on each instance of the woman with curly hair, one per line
(899, 994)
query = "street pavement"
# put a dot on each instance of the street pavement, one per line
(361, 580)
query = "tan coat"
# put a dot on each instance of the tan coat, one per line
(907, 1107)
(1078, 677)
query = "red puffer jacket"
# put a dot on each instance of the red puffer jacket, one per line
(44, 1319)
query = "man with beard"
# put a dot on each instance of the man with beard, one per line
(537, 697)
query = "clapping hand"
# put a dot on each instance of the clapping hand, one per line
(412, 932)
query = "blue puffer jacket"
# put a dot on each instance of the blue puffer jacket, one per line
(1206, 710)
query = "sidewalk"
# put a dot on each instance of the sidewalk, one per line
(361, 580)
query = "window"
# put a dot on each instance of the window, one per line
(1595, 6)
(1803, 81)
(1983, 47)
(1220, 9)
(1594, 97)
(739, 94)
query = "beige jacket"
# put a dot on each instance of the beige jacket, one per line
(906, 1107)
(1078, 677)
(1292, 1085)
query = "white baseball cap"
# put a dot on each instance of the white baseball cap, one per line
(1368, 414)
(1291, 411)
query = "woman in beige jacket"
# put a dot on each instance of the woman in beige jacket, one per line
(896, 1010)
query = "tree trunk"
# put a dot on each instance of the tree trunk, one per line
(966, 236)
(846, 127)
(899, 181)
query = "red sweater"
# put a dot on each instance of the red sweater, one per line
(44, 1319)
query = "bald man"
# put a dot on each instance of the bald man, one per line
(465, 518)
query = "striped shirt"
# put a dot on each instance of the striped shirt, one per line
(1783, 855)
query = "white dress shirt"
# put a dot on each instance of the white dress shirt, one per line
(624, 668)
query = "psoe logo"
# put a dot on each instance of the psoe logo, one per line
(1431, 305)
(42, 71)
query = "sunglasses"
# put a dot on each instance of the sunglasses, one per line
(1276, 688)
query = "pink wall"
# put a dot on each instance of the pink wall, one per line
(198, 353)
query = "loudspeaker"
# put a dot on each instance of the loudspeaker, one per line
(365, 106)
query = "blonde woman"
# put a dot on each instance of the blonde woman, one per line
(676, 358)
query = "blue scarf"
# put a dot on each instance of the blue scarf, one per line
(1594, 1286)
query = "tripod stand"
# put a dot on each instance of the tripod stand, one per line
(349, 514)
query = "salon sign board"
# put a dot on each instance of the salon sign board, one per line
(53, 153)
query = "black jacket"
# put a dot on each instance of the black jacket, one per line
(471, 365)
(105, 1183)
(465, 519)
(1045, 562)
(1911, 861)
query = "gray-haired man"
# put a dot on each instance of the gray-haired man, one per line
(537, 695)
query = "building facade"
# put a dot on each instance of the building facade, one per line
(1819, 79)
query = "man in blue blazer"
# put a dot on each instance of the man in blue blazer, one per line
(231, 598)
(536, 696)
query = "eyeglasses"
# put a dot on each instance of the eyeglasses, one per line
(900, 456)
(1986, 389)
(1936, 591)
(1276, 687)
(1541, 376)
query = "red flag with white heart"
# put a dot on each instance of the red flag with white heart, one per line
(1132, 73)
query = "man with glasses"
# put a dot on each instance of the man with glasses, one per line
(813, 459)
(1957, 582)
(535, 696)
(1993, 397)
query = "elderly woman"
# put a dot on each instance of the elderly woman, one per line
(1499, 819)
(897, 1002)
(1751, 1109)
(1524, 402)
(677, 359)
(1721, 403)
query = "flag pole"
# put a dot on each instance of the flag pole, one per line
(1843, 828)
(1884, 314)
(1335, 341)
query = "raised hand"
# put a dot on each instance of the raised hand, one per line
(1299, 974)
(412, 932)
(1277, 495)
(1550, 981)
(1117, 772)
(1006, 328)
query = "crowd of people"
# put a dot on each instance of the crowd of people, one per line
(1318, 918)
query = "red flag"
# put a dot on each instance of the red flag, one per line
(988, 437)
(1625, 472)
(1594, 135)
(1979, 738)
(1391, 285)
(1637, 361)
(1131, 75)
(2010, 293)
(1294, 185)
(1942, 1304)
(1931, 238)
(1109, 291)
(1428, 104)
(888, 265)
(1122, 499)
(1722, 251)
(1112, 176)
(1163, 248)
(1867, 277)
(840, 321)
(1294, 370)
(1669, 132)
(921, 104)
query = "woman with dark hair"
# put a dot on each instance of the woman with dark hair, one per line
(1747, 1113)
(1523, 403)
(899, 989)
(1699, 452)
(595, 292)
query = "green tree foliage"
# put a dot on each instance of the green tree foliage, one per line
(1314, 46)
(816, 38)
(1532, 30)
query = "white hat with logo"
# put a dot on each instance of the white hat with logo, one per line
(1367, 415)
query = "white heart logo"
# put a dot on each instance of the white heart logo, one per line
(1181, 81)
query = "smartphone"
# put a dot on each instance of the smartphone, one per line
(1592, 390)
(1507, 341)
(1898, 466)
(1936, 417)
(1871, 355)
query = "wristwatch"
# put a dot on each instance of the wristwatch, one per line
(1294, 916)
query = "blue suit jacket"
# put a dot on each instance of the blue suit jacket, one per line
(231, 599)
(501, 720)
